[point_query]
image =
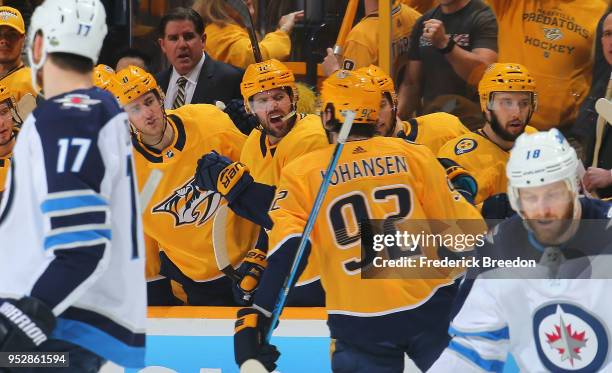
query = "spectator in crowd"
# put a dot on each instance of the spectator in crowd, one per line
(194, 76)
(134, 57)
(598, 178)
(553, 39)
(361, 45)
(450, 47)
(228, 40)
(13, 73)
(584, 126)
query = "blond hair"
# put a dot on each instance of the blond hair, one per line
(214, 11)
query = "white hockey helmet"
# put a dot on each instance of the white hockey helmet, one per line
(67, 26)
(539, 159)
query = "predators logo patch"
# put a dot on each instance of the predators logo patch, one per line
(189, 205)
(464, 146)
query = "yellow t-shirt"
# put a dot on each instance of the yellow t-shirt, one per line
(19, 81)
(553, 39)
(433, 130)
(265, 161)
(178, 220)
(381, 178)
(231, 44)
(361, 46)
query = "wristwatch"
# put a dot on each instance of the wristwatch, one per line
(449, 47)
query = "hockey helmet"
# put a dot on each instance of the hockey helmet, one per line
(103, 76)
(77, 27)
(505, 77)
(264, 76)
(133, 82)
(355, 91)
(539, 159)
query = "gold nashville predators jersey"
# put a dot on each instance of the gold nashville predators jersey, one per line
(265, 161)
(231, 44)
(5, 164)
(483, 159)
(377, 178)
(361, 46)
(179, 216)
(19, 81)
(433, 130)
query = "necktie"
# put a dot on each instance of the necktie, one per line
(180, 95)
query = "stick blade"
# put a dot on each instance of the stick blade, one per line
(253, 366)
(26, 105)
(604, 108)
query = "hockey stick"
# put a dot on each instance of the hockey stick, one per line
(219, 245)
(149, 188)
(349, 116)
(347, 25)
(243, 11)
(602, 107)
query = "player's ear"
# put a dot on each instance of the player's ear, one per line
(37, 46)
(204, 38)
(327, 117)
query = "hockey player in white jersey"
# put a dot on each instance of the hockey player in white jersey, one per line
(72, 267)
(554, 317)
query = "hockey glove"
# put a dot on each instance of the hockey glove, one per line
(249, 333)
(217, 173)
(24, 324)
(462, 181)
(497, 207)
(244, 121)
(250, 272)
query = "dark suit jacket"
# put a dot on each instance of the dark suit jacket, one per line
(217, 81)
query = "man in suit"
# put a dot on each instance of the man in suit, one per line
(194, 77)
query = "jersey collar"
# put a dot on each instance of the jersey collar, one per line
(158, 156)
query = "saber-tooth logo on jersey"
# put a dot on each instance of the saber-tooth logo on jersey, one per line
(569, 338)
(188, 204)
(552, 33)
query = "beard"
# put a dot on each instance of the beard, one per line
(501, 132)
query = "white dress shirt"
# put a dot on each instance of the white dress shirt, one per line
(192, 80)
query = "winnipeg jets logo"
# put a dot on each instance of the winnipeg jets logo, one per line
(79, 101)
(189, 205)
(568, 338)
(553, 33)
(566, 341)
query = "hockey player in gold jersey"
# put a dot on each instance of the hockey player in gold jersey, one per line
(373, 322)
(270, 93)
(9, 126)
(508, 100)
(432, 130)
(178, 219)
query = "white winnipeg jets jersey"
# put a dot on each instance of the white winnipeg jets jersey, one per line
(547, 325)
(70, 231)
